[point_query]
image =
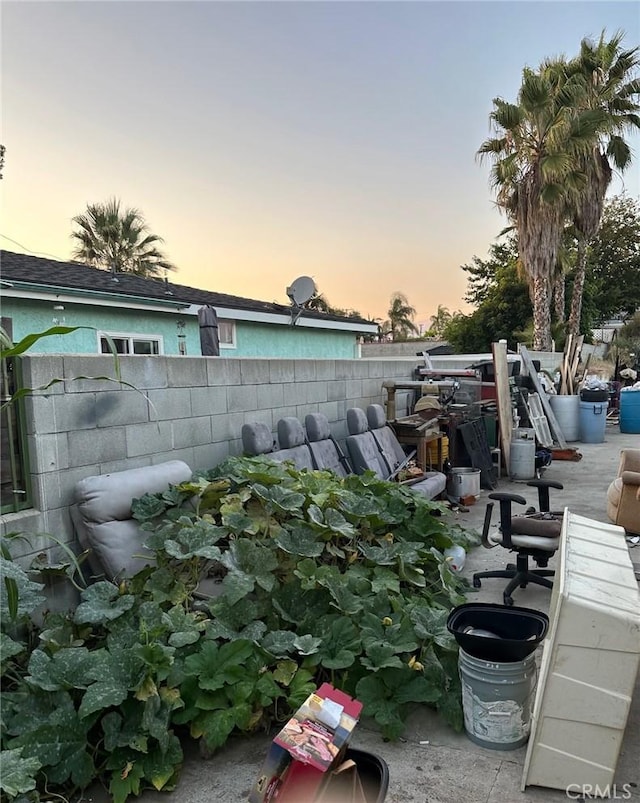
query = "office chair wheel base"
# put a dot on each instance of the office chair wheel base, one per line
(508, 601)
(476, 582)
(511, 567)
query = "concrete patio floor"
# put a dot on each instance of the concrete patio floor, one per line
(432, 763)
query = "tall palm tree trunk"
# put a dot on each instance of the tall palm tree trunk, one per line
(559, 297)
(578, 287)
(541, 313)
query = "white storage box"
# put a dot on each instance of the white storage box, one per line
(589, 662)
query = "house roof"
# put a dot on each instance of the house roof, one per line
(37, 273)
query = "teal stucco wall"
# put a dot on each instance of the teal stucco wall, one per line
(252, 339)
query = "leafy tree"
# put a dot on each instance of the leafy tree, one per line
(502, 299)
(611, 86)
(401, 314)
(320, 303)
(537, 171)
(118, 239)
(613, 266)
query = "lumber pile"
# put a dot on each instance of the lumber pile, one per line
(569, 380)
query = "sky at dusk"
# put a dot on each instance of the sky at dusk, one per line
(268, 140)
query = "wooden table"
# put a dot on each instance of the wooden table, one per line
(419, 435)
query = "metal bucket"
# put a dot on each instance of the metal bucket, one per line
(464, 482)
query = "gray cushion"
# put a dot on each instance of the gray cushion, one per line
(290, 432)
(102, 514)
(357, 421)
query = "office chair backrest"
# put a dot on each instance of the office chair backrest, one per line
(326, 452)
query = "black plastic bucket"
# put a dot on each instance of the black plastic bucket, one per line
(373, 772)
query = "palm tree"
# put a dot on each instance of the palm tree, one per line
(401, 315)
(605, 69)
(439, 321)
(536, 173)
(118, 240)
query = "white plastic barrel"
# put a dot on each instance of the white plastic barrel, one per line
(522, 459)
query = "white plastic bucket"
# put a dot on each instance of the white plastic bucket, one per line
(497, 700)
(567, 412)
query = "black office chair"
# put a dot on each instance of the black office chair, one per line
(535, 534)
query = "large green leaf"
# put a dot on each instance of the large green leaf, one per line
(17, 773)
(337, 523)
(67, 669)
(9, 648)
(186, 627)
(279, 643)
(340, 643)
(196, 540)
(300, 539)
(19, 595)
(251, 560)
(280, 497)
(380, 656)
(430, 624)
(101, 603)
(216, 666)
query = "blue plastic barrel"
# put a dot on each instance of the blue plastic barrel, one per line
(593, 421)
(630, 411)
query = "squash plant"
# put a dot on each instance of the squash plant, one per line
(315, 578)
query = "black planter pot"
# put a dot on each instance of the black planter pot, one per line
(594, 395)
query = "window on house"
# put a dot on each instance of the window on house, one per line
(130, 344)
(227, 333)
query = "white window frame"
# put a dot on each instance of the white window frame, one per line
(232, 327)
(131, 336)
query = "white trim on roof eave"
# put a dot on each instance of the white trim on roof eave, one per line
(256, 316)
(170, 305)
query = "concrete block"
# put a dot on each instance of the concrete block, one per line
(58, 522)
(325, 370)
(170, 404)
(242, 397)
(316, 392)
(191, 432)
(330, 409)
(345, 369)
(373, 387)
(39, 414)
(208, 401)
(360, 369)
(254, 371)
(45, 491)
(229, 426)
(145, 373)
(297, 394)
(97, 445)
(353, 389)
(90, 365)
(67, 480)
(282, 371)
(283, 412)
(24, 521)
(186, 372)
(336, 390)
(122, 407)
(223, 371)
(270, 396)
(148, 439)
(305, 370)
(211, 455)
(40, 370)
(48, 452)
(74, 411)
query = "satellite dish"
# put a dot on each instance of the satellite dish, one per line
(302, 289)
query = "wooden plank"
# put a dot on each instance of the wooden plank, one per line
(553, 421)
(503, 399)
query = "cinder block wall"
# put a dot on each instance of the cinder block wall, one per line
(187, 408)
